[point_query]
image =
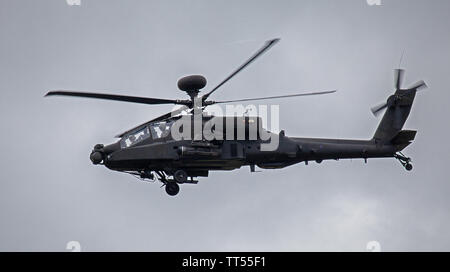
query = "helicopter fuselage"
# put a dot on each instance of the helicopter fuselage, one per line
(198, 158)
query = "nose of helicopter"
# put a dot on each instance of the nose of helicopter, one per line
(100, 152)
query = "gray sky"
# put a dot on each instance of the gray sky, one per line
(50, 193)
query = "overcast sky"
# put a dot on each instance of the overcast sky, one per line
(51, 194)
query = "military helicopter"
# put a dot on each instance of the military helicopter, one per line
(151, 152)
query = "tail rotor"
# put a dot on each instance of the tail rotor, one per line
(395, 99)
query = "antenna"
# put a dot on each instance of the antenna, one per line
(401, 59)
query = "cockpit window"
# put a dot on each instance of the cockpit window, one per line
(135, 137)
(160, 129)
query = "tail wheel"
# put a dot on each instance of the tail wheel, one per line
(405, 161)
(409, 167)
(172, 188)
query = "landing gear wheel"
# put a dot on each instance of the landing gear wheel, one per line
(405, 161)
(172, 188)
(408, 167)
(180, 176)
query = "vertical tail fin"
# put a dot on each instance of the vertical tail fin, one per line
(398, 108)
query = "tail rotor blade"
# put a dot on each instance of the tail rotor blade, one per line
(399, 76)
(420, 85)
(377, 109)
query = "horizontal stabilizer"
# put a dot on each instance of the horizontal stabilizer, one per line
(404, 137)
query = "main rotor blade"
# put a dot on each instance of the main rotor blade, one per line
(418, 86)
(123, 98)
(377, 109)
(170, 114)
(273, 97)
(263, 49)
(399, 76)
(160, 118)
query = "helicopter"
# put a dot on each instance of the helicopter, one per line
(152, 151)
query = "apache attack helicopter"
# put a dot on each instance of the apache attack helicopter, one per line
(150, 151)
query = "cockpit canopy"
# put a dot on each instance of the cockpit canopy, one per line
(242, 128)
(155, 130)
